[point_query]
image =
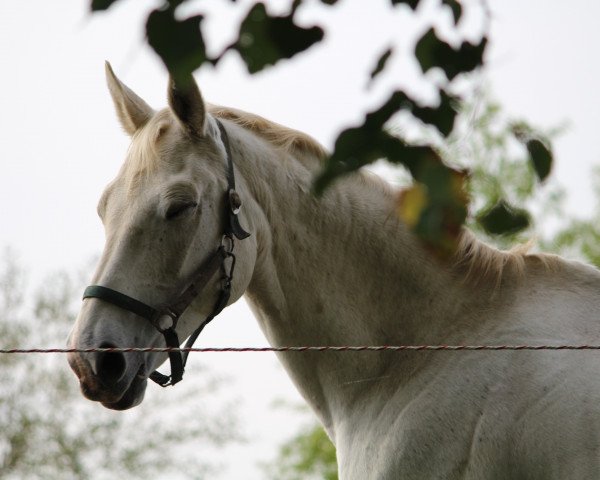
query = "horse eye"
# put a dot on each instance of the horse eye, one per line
(177, 209)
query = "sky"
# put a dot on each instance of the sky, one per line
(60, 142)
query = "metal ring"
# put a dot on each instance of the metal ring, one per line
(227, 243)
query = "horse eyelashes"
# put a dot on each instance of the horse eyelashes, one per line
(177, 209)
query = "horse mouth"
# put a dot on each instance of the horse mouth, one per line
(133, 396)
(116, 398)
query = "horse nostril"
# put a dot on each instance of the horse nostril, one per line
(110, 366)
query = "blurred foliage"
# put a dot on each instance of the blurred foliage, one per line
(456, 8)
(504, 219)
(263, 40)
(178, 42)
(431, 52)
(381, 63)
(504, 179)
(50, 432)
(577, 238)
(309, 455)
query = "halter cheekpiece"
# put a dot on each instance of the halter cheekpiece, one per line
(165, 318)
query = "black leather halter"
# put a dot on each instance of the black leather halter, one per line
(165, 318)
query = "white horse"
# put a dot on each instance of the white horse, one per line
(344, 270)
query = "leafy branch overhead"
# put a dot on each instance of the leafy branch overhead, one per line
(262, 41)
(436, 206)
(432, 52)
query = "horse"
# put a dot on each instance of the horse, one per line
(339, 269)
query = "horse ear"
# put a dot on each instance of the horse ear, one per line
(133, 112)
(186, 103)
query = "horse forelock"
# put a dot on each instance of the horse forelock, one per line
(143, 155)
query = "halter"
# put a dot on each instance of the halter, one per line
(165, 318)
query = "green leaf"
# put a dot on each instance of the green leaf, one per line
(541, 158)
(358, 146)
(309, 454)
(411, 3)
(381, 62)
(435, 207)
(264, 40)
(99, 5)
(442, 116)
(502, 218)
(354, 148)
(178, 43)
(432, 52)
(456, 8)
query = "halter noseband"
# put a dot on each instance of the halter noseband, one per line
(165, 318)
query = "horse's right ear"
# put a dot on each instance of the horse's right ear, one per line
(186, 103)
(133, 112)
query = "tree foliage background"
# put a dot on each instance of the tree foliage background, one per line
(48, 431)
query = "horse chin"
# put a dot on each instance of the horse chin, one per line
(116, 397)
(132, 397)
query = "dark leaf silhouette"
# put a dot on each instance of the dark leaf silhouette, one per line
(503, 218)
(98, 5)
(432, 52)
(541, 158)
(442, 117)
(264, 40)
(411, 3)
(381, 63)
(456, 8)
(178, 43)
(359, 146)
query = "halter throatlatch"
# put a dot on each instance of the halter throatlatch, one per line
(165, 318)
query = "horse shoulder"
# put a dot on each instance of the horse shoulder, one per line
(472, 415)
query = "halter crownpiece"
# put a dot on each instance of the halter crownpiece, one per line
(165, 318)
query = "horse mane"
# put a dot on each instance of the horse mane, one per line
(142, 156)
(286, 138)
(474, 260)
(477, 262)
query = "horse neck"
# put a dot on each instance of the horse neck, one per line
(336, 270)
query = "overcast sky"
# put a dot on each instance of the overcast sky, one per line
(60, 142)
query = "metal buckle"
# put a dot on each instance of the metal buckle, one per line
(235, 202)
(165, 319)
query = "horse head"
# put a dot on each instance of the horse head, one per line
(163, 219)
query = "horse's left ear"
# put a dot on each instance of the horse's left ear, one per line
(186, 103)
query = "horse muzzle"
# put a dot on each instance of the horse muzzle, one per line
(116, 380)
